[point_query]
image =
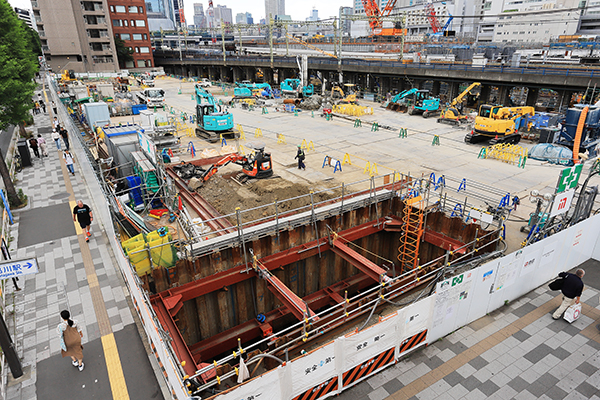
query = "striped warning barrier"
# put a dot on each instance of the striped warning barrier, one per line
(366, 368)
(314, 393)
(412, 342)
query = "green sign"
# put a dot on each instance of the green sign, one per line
(457, 280)
(569, 178)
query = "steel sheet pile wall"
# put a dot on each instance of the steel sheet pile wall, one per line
(220, 310)
(458, 300)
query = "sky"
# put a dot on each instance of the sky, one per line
(298, 9)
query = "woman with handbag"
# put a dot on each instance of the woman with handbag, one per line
(70, 339)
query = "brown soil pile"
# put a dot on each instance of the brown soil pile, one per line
(256, 199)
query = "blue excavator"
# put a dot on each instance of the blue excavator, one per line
(211, 120)
(414, 101)
(293, 88)
(246, 89)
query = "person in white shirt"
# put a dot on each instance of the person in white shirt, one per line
(56, 137)
(42, 144)
(69, 161)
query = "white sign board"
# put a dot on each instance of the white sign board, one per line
(13, 268)
(147, 146)
(562, 203)
(477, 215)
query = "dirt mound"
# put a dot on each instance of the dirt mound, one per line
(257, 198)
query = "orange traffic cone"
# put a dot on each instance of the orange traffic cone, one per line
(496, 138)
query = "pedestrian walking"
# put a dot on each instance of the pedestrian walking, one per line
(83, 214)
(300, 156)
(572, 287)
(55, 123)
(43, 105)
(56, 138)
(33, 143)
(65, 136)
(70, 334)
(54, 108)
(69, 161)
(37, 108)
(42, 144)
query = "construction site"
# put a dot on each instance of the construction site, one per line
(262, 228)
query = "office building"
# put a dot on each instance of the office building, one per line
(314, 15)
(129, 23)
(160, 15)
(178, 13)
(76, 36)
(199, 17)
(345, 24)
(274, 8)
(244, 18)
(27, 16)
(223, 13)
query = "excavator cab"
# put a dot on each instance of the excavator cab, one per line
(258, 166)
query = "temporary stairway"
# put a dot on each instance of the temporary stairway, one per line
(411, 234)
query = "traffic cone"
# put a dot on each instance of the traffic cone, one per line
(496, 138)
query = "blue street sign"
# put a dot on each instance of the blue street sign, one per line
(24, 266)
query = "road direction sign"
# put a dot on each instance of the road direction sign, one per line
(13, 268)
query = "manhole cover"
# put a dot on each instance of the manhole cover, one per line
(59, 196)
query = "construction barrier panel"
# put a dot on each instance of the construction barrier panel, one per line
(508, 153)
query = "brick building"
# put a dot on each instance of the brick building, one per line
(129, 22)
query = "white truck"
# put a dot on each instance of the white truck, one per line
(145, 80)
(152, 97)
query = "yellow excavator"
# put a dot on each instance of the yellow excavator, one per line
(451, 115)
(499, 124)
(68, 76)
(337, 91)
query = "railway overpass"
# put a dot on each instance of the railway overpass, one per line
(388, 75)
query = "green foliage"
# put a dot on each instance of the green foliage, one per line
(18, 65)
(124, 53)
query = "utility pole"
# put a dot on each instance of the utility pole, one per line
(8, 348)
(223, 42)
(271, 38)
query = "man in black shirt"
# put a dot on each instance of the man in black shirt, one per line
(571, 289)
(83, 214)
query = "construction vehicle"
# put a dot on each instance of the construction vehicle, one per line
(420, 102)
(68, 75)
(293, 88)
(153, 97)
(398, 102)
(247, 89)
(349, 98)
(257, 166)
(211, 120)
(499, 124)
(451, 114)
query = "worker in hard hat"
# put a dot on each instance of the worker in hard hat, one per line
(300, 156)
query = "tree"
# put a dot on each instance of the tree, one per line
(124, 53)
(18, 65)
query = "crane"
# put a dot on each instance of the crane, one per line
(433, 21)
(451, 114)
(375, 17)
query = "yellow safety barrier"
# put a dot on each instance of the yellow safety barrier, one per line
(281, 139)
(371, 169)
(346, 159)
(307, 145)
(258, 132)
(240, 130)
(508, 153)
(352, 110)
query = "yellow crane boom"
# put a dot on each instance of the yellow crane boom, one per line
(310, 46)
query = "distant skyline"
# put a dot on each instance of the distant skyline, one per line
(298, 10)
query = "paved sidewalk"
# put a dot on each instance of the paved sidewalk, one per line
(517, 352)
(70, 272)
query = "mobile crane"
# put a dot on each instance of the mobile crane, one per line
(500, 124)
(211, 120)
(451, 115)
